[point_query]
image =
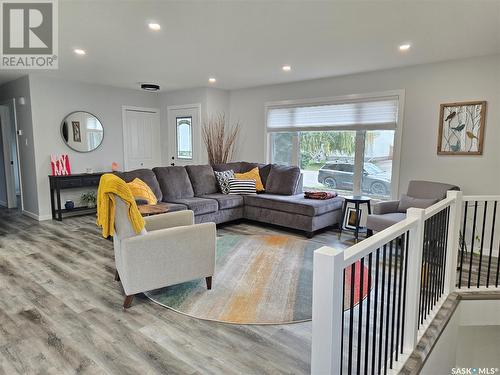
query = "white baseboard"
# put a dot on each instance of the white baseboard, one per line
(37, 217)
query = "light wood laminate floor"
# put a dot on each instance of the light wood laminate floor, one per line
(60, 312)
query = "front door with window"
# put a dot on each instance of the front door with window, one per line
(184, 134)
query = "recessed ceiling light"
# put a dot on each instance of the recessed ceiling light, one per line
(79, 51)
(286, 68)
(212, 80)
(154, 26)
(404, 47)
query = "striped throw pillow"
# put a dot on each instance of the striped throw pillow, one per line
(242, 187)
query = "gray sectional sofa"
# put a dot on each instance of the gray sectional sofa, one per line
(195, 188)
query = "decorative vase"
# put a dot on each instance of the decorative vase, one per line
(69, 205)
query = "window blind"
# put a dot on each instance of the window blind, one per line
(367, 114)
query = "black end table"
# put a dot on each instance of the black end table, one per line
(357, 200)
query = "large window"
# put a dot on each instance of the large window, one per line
(346, 146)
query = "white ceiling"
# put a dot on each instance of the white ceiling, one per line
(245, 43)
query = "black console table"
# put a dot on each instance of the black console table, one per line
(58, 183)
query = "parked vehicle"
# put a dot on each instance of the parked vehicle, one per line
(340, 175)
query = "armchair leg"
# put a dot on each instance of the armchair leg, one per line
(128, 301)
(117, 276)
(209, 282)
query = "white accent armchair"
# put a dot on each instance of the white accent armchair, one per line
(171, 250)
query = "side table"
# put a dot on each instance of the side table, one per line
(357, 200)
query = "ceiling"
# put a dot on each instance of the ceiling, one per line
(245, 43)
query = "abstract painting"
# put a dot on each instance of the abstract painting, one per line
(461, 128)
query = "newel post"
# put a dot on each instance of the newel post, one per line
(327, 310)
(450, 276)
(416, 245)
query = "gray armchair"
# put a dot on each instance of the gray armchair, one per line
(170, 250)
(421, 194)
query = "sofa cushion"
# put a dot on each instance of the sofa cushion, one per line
(198, 205)
(223, 178)
(429, 189)
(174, 183)
(252, 174)
(173, 207)
(378, 223)
(242, 187)
(226, 201)
(202, 179)
(406, 202)
(295, 204)
(235, 166)
(264, 170)
(141, 190)
(146, 175)
(246, 166)
(282, 179)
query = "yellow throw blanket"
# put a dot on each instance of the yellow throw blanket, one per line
(109, 185)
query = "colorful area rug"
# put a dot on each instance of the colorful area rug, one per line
(259, 279)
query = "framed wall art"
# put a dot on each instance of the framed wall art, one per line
(351, 218)
(77, 135)
(461, 128)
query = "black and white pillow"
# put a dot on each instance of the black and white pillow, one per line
(242, 187)
(223, 180)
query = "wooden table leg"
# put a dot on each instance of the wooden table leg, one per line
(342, 218)
(52, 204)
(356, 230)
(59, 213)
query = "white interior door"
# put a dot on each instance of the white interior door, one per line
(184, 134)
(141, 138)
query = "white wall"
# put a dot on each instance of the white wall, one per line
(470, 339)
(426, 87)
(52, 100)
(16, 89)
(213, 101)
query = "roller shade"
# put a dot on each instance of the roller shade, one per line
(367, 114)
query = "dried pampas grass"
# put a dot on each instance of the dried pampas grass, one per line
(220, 139)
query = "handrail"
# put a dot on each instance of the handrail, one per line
(437, 207)
(421, 251)
(481, 198)
(369, 245)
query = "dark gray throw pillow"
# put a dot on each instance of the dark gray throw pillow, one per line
(282, 180)
(407, 202)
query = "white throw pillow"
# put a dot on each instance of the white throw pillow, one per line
(242, 187)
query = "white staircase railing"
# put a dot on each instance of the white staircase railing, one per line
(374, 300)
